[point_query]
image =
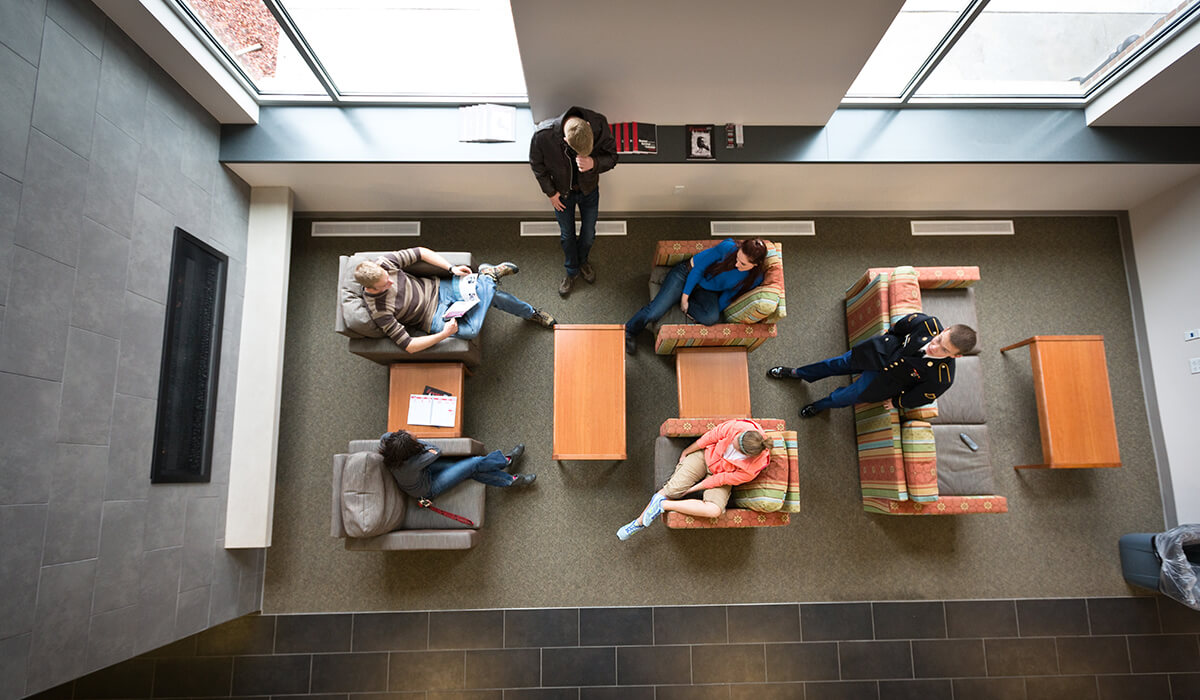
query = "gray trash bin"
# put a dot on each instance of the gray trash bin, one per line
(1167, 562)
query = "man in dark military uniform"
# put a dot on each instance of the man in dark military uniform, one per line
(912, 363)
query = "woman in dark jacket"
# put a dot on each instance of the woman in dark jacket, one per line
(422, 472)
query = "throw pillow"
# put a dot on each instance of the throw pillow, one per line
(765, 493)
(372, 503)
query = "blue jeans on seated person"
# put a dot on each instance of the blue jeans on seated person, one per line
(837, 366)
(576, 247)
(702, 303)
(487, 469)
(470, 323)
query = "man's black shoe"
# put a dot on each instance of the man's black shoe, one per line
(809, 411)
(630, 345)
(523, 479)
(515, 454)
(780, 373)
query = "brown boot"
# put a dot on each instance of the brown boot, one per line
(504, 269)
(566, 286)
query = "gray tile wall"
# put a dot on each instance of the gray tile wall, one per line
(101, 156)
(1141, 648)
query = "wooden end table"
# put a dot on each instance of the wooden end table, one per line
(405, 378)
(713, 382)
(1074, 403)
(589, 392)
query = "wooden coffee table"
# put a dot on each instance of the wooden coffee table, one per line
(1074, 404)
(405, 378)
(589, 392)
(713, 382)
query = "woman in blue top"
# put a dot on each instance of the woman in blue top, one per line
(703, 285)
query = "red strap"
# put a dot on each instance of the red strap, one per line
(426, 503)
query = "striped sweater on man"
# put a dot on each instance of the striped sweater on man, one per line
(410, 301)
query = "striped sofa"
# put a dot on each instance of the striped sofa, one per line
(749, 319)
(767, 501)
(918, 463)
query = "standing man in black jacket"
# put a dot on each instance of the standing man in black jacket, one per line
(567, 155)
(912, 363)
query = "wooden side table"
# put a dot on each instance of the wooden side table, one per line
(589, 392)
(405, 378)
(1074, 403)
(713, 382)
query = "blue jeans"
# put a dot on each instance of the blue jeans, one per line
(702, 303)
(837, 366)
(576, 248)
(488, 469)
(471, 322)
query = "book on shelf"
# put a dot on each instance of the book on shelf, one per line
(635, 137)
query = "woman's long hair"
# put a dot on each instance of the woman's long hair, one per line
(756, 252)
(398, 447)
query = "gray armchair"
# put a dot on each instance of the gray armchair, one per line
(418, 528)
(367, 340)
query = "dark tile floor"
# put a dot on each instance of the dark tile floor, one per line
(1143, 648)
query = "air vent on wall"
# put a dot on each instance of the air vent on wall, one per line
(366, 228)
(550, 228)
(766, 229)
(962, 228)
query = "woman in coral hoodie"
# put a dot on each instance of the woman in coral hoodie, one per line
(732, 453)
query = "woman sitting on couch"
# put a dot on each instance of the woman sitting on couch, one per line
(422, 473)
(704, 284)
(732, 453)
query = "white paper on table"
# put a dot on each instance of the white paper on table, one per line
(425, 409)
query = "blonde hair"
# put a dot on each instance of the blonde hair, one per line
(751, 442)
(368, 273)
(579, 135)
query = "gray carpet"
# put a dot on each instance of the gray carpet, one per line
(554, 544)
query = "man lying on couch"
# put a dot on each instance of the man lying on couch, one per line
(397, 299)
(912, 363)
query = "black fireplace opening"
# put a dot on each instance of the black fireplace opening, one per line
(187, 385)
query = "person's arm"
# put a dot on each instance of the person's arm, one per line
(703, 260)
(537, 162)
(438, 261)
(604, 150)
(428, 341)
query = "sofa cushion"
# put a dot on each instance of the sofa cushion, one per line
(963, 401)
(466, 499)
(920, 461)
(961, 471)
(953, 306)
(904, 293)
(767, 491)
(759, 303)
(372, 502)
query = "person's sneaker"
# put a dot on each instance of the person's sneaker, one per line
(589, 275)
(809, 411)
(630, 345)
(653, 510)
(781, 373)
(542, 319)
(514, 455)
(522, 480)
(629, 528)
(564, 288)
(504, 269)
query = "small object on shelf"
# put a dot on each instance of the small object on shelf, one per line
(971, 444)
(734, 136)
(700, 142)
(635, 137)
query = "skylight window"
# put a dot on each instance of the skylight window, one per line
(369, 50)
(1011, 49)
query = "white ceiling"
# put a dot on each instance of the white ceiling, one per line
(762, 62)
(711, 187)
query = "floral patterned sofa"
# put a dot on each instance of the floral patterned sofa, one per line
(918, 463)
(749, 319)
(767, 501)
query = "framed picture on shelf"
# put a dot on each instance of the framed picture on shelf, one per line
(700, 142)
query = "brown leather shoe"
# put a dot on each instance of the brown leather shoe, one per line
(567, 285)
(588, 274)
(504, 269)
(542, 319)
